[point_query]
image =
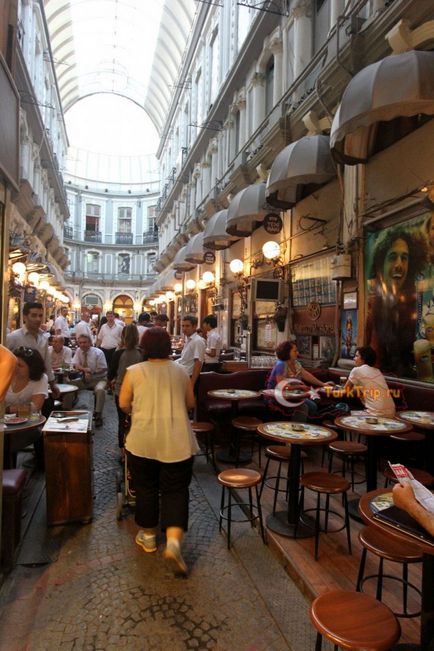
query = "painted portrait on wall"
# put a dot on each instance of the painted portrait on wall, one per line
(348, 333)
(400, 294)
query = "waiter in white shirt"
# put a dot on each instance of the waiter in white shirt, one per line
(109, 337)
(83, 327)
(193, 353)
(213, 343)
(91, 361)
(61, 325)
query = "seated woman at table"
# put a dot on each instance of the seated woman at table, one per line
(288, 367)
(403, 497)
(29, 382)
(368, 383)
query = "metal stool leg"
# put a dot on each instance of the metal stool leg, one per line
(361, 570)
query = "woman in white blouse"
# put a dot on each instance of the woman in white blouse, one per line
(29, 382)
(160, 444)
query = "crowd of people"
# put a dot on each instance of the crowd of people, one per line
(154, 395)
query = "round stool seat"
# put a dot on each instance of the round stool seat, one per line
(348, 447)
(324, 482)
(408, 437)
(248, 423)
(354, 620)
(201, 427)
(387, 547)
(239, 478)
(331, 425)
(281, 452)
(423, 476)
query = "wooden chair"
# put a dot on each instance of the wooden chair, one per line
(240, 478)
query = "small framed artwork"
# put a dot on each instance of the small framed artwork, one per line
(327, 345)
(304, 345)
(350, 300)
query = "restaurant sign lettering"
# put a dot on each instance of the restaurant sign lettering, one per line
(272, 223)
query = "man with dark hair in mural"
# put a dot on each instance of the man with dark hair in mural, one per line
(400, 255)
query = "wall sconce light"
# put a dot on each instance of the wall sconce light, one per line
(44, 285)
(208, 277)
(76, 305)
(273, 255)
(178, 288)
(152, 302)
(236, 266)
(34, 278)
(170, 296)
(190, 284)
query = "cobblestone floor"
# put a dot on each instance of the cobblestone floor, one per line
(104, 593)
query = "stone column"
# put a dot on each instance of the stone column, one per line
(277, 50)
(258, 99)
(302, 36)
(336, 9)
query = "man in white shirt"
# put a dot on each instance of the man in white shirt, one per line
(61, 325)
(144, 322)
(83, 327)
(109, 337)
(213, 343)
(193, 353)
(31, 336)
(60, 355)
(92, 362)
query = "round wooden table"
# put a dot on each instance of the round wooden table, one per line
(372, 431)
(18, 437)
(427, 614)
(287, 523)
(232, 454)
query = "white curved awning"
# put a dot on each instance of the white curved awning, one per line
(180, 263)
(247, 210)
(305, 162)
(194, 252)
(215, 236)
(400, 85)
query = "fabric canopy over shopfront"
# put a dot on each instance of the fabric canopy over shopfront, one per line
(180, 263)
(247, 210)
(215, 236)
(400, 85)
(194, 250)
(299, 169)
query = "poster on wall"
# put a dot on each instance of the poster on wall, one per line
(327, 349)
(399, 276)
(304, 345)
(348, 333)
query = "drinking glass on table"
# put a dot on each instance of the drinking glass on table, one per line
(23, 410)
(35, 413)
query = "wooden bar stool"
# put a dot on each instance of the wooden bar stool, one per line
(353, 620)
(248, 424)
(240, 478)
(349, 451)
(281, 454)
(324, 483)
(207, 429)
(388, 548)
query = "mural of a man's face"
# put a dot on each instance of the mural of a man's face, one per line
(395, 268)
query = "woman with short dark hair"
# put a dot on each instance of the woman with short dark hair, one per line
(369, 384)
(29, 382)
(160, 444)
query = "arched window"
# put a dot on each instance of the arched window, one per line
(269, 85)
(124, 306)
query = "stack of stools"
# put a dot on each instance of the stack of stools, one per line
(422, 476)
(353, 620)
(12, 490)
(247, 424)
(240, 478)
(281, 454)
(324, 483)
(387, 548)
(349, 451)
(207, 429)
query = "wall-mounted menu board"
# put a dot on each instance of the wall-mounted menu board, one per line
(312, 282)
(265, 334)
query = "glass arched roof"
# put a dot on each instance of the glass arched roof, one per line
(132, 48)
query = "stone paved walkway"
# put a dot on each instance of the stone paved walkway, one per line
(103, 592)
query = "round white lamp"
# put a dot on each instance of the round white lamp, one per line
(271, 250)
(34, 278)
(19, 268)
(170, 295)
(178, 288)
(190, 284)
(208, 277)
(236, 266)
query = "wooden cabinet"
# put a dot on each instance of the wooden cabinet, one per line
(68, 470)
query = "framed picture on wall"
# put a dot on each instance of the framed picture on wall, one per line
(304, 345)
(350, 300)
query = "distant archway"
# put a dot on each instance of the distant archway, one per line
(124, 306)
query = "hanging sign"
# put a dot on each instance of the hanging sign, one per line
(272, 223)
(209, 257)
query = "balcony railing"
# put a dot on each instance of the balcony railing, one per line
(68, 232)
(150, 236)
(123, 238)
(93, 236)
